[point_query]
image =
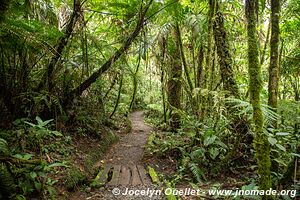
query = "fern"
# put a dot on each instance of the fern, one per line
(7, 186)
(245, 108)
(197, 172)
(4, 150)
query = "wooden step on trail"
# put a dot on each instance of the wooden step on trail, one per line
(122, 175)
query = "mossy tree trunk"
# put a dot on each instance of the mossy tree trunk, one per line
(162, 59)
(261, 143)
(223, 51)
(274, 57)
(174, 81)
(208, 59)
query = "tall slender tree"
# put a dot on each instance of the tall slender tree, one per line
(261, 143)
(174, 82)
(274, 57)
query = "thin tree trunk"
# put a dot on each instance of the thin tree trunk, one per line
(274, 57)
(88, 82)
(262, 57)
(135, 82)
(162, 76)
(111, 86)
(261, 143)
(118, 98)
(63, 41)
(200, 59)
(174, 83)
(185, 67)
(206, 80)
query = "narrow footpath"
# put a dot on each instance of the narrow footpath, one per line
(124, 172)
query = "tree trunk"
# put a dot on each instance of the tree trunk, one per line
(135, 83)
(185, 67)
(63, 41)
(200, 58)
(261, 143)
(223, 51)
(88, 82)
(118, 98)
(174, 82)
(274, 57)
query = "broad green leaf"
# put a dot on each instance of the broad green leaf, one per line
(282, 133)
(24, 156)
(272, 141)
(295, 154)
(220, 143)
(281, 147)
(57, 165)
(56, 133)
(38, 185)
(33, 175)
(209, 140)
(4, 147)
(213, 152)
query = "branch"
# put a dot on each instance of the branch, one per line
(87, 83)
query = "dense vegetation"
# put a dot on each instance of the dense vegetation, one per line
(220, 81)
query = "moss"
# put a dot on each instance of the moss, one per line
(174, 82)
(261, 143)
(74, 178)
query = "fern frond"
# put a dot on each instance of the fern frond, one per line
(197, 172)
(4, 150)
(7, 186)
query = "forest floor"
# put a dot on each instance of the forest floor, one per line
(129, 151)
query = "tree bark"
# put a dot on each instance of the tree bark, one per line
(274, 57)
(174, 82)
(200, 59)
(261, 143)
(223, 51)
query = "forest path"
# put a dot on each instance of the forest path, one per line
(130, 148)
(123, 166)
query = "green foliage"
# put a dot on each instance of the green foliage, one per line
(7, 186)
(4, 150)
(38, 133)
(196, 147)
(74, 178)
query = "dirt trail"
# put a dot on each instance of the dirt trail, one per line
(129, 151)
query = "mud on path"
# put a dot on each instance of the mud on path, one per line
(128, 151)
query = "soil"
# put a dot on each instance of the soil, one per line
(130, 148)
